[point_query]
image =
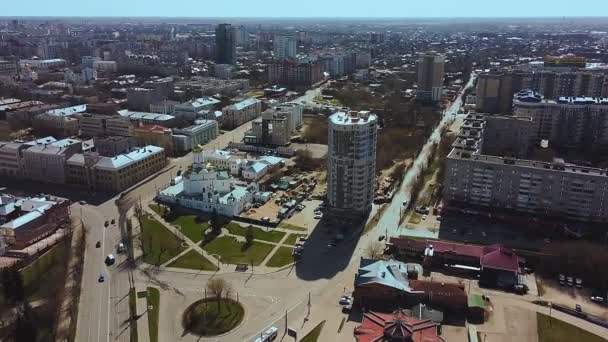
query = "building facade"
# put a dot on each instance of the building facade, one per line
(509, 184)
(114, 174)
(225, 44)
(184, 139)
(571, 123)
(284, 46)
(241, 112)
(430, 77)
(351, 166)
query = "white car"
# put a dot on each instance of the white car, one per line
(318, 216)
(345, 300)
(424, 217)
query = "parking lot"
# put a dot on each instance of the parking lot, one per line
(305, 217)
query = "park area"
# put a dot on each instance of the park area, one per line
(164, 241)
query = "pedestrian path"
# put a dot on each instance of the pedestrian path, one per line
(141, 314)
(224, 268)
(276, 247)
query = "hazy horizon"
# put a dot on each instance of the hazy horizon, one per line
(313, 9)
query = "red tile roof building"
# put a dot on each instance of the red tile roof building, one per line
(496, 263)
(398, 326)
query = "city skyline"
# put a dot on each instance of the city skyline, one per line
(315, 9)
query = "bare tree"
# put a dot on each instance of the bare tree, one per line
(217, 287)
(374, 250)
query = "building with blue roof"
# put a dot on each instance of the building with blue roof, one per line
(241, 112)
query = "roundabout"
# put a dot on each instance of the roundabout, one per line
(210, 317)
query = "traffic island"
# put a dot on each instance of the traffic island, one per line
(212, 317)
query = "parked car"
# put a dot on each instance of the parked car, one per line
(98, 244)
(579, 283)
(424, 217)
(318, 216)
(120, 248)
(113, 221)
(302, 239)
(381, 237)
(83, 202)
(257, 205)
(578, 308)
(562, 279)
(300, 207)
(570, 281)
(345, 300)
(404, 203)
(347, 308)
(265, 219)
(101, 278)
(107, 223)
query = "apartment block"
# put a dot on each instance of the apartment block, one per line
(351, 164)
(92, 125)
(46, 162)
(111, 146)
(191, 109)
(275, 125)
(115, 173)
(203, 131)
(241, 112)
(572, 123)
(504, 183)
(431, 67)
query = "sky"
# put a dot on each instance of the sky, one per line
(306, 8)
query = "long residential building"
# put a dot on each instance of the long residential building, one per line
(116, 173)
(495, 88)
(506, 183)
(351, 168)
(572, 123)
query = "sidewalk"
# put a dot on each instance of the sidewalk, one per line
(141, 314)
(71, 290)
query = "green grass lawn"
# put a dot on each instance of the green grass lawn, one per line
(292, 239)
(232, 251)
(194, 261)
(190, 228)
(153, 301)
(204, 318)
(156, 208)
(554, 330)
(47, 270)
(290, 226)
(258, 234)
(281, 257)
(158, 243)
(313, 335)
(133, 311)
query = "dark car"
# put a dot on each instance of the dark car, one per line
(381, 237)
(113, 221)
(107, 223)
(101, 278)
(98, 244)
